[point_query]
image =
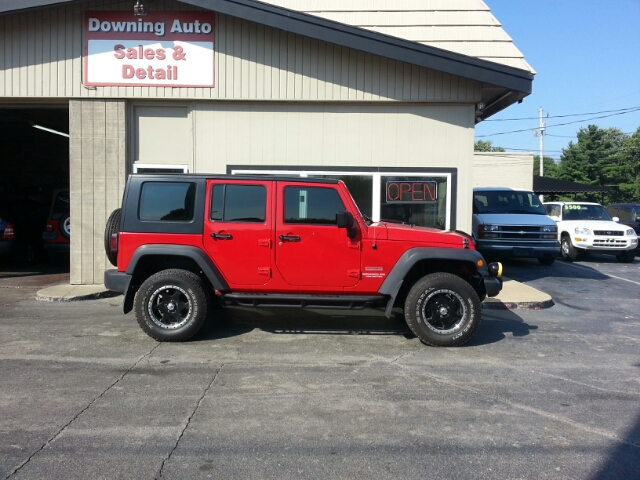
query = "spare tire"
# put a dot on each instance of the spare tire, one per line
(64, 225)
(113, 224)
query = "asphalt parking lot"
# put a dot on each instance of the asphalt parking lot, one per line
(548, 394)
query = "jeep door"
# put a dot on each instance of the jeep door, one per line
(310, 248)
(238, 230)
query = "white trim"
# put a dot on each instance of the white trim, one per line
(377, 182)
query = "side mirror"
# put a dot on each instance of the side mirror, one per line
(344, 219)
(616, 219)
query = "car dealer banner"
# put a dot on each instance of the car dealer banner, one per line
(160, 49)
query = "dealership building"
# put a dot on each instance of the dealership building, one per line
(378, 93)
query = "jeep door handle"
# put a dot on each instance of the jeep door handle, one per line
(289, 238)
(221, 236)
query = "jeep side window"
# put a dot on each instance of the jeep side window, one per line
(167, 201)
(238, 203)
(312, 205)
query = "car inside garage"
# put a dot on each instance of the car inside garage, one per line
(35, 174)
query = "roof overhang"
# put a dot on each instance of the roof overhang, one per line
(512, 84)
(547, 185)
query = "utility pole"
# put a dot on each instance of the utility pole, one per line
(543, 126)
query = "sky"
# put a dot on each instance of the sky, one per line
(587, 57)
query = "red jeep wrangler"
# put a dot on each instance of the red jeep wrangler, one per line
(183, 242)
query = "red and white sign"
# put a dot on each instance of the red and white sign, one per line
(160, 49)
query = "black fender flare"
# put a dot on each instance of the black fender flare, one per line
(196, 254)
(393, 282)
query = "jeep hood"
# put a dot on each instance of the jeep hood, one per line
(412, 233)
(514, 219)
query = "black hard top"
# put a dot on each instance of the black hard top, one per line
(172, 177)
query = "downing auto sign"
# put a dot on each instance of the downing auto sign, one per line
(161, 49)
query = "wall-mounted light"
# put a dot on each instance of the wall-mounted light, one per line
(139, 9)
(50, 130)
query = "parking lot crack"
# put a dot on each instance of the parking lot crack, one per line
(87, 407)
(533, 410)
(188, 422)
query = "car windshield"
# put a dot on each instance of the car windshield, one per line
(580, 211)
(507, 201)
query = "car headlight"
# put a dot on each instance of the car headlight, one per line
(549, 228)
(631, 231)
(490, 228)
(582, 231)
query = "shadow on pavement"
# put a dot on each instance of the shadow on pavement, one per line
(235, 321)
(530, 269)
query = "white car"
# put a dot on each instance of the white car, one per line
(585, 227)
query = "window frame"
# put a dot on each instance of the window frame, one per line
(224, 200)
(448, 174)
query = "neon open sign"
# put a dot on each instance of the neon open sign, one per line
(412, 192)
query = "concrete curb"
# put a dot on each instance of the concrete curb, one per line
(491, 304)
(73, 293)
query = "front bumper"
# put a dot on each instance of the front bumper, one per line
(613, 245)
(490, 248)
(492, 285)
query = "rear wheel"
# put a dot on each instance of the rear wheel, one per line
(442, 310)
(546, 261)
(171, 305)
(567, 250)
(626, 257)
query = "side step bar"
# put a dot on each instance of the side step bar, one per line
(349, 302)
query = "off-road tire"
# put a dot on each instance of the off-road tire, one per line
(112, 226)
(442, 310)
(567, 251)
(626, 257)
(171, 305)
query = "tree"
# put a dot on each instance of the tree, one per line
(550, 168)
(631, 152)
(598, 158)
(486, 146)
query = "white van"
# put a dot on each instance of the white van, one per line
(513, 223)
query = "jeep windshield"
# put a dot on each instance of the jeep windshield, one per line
(507, 201)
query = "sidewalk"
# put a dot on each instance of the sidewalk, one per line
(513, 295)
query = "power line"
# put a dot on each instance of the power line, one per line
(622, 110)
(560, 124)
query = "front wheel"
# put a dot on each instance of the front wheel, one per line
(626, 257)
(442, 310)
(567, 250)
(171, 305)
(546, 261)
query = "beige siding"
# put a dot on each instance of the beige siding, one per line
(330, 134)
(501, 169)
(42, 59)
(97, 177)
(461, 26)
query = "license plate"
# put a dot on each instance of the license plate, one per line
(49, 235)
(522, 252)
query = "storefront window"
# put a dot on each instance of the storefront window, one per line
(417, 197)
(416, 200)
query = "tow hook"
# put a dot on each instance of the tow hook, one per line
(495, 269)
